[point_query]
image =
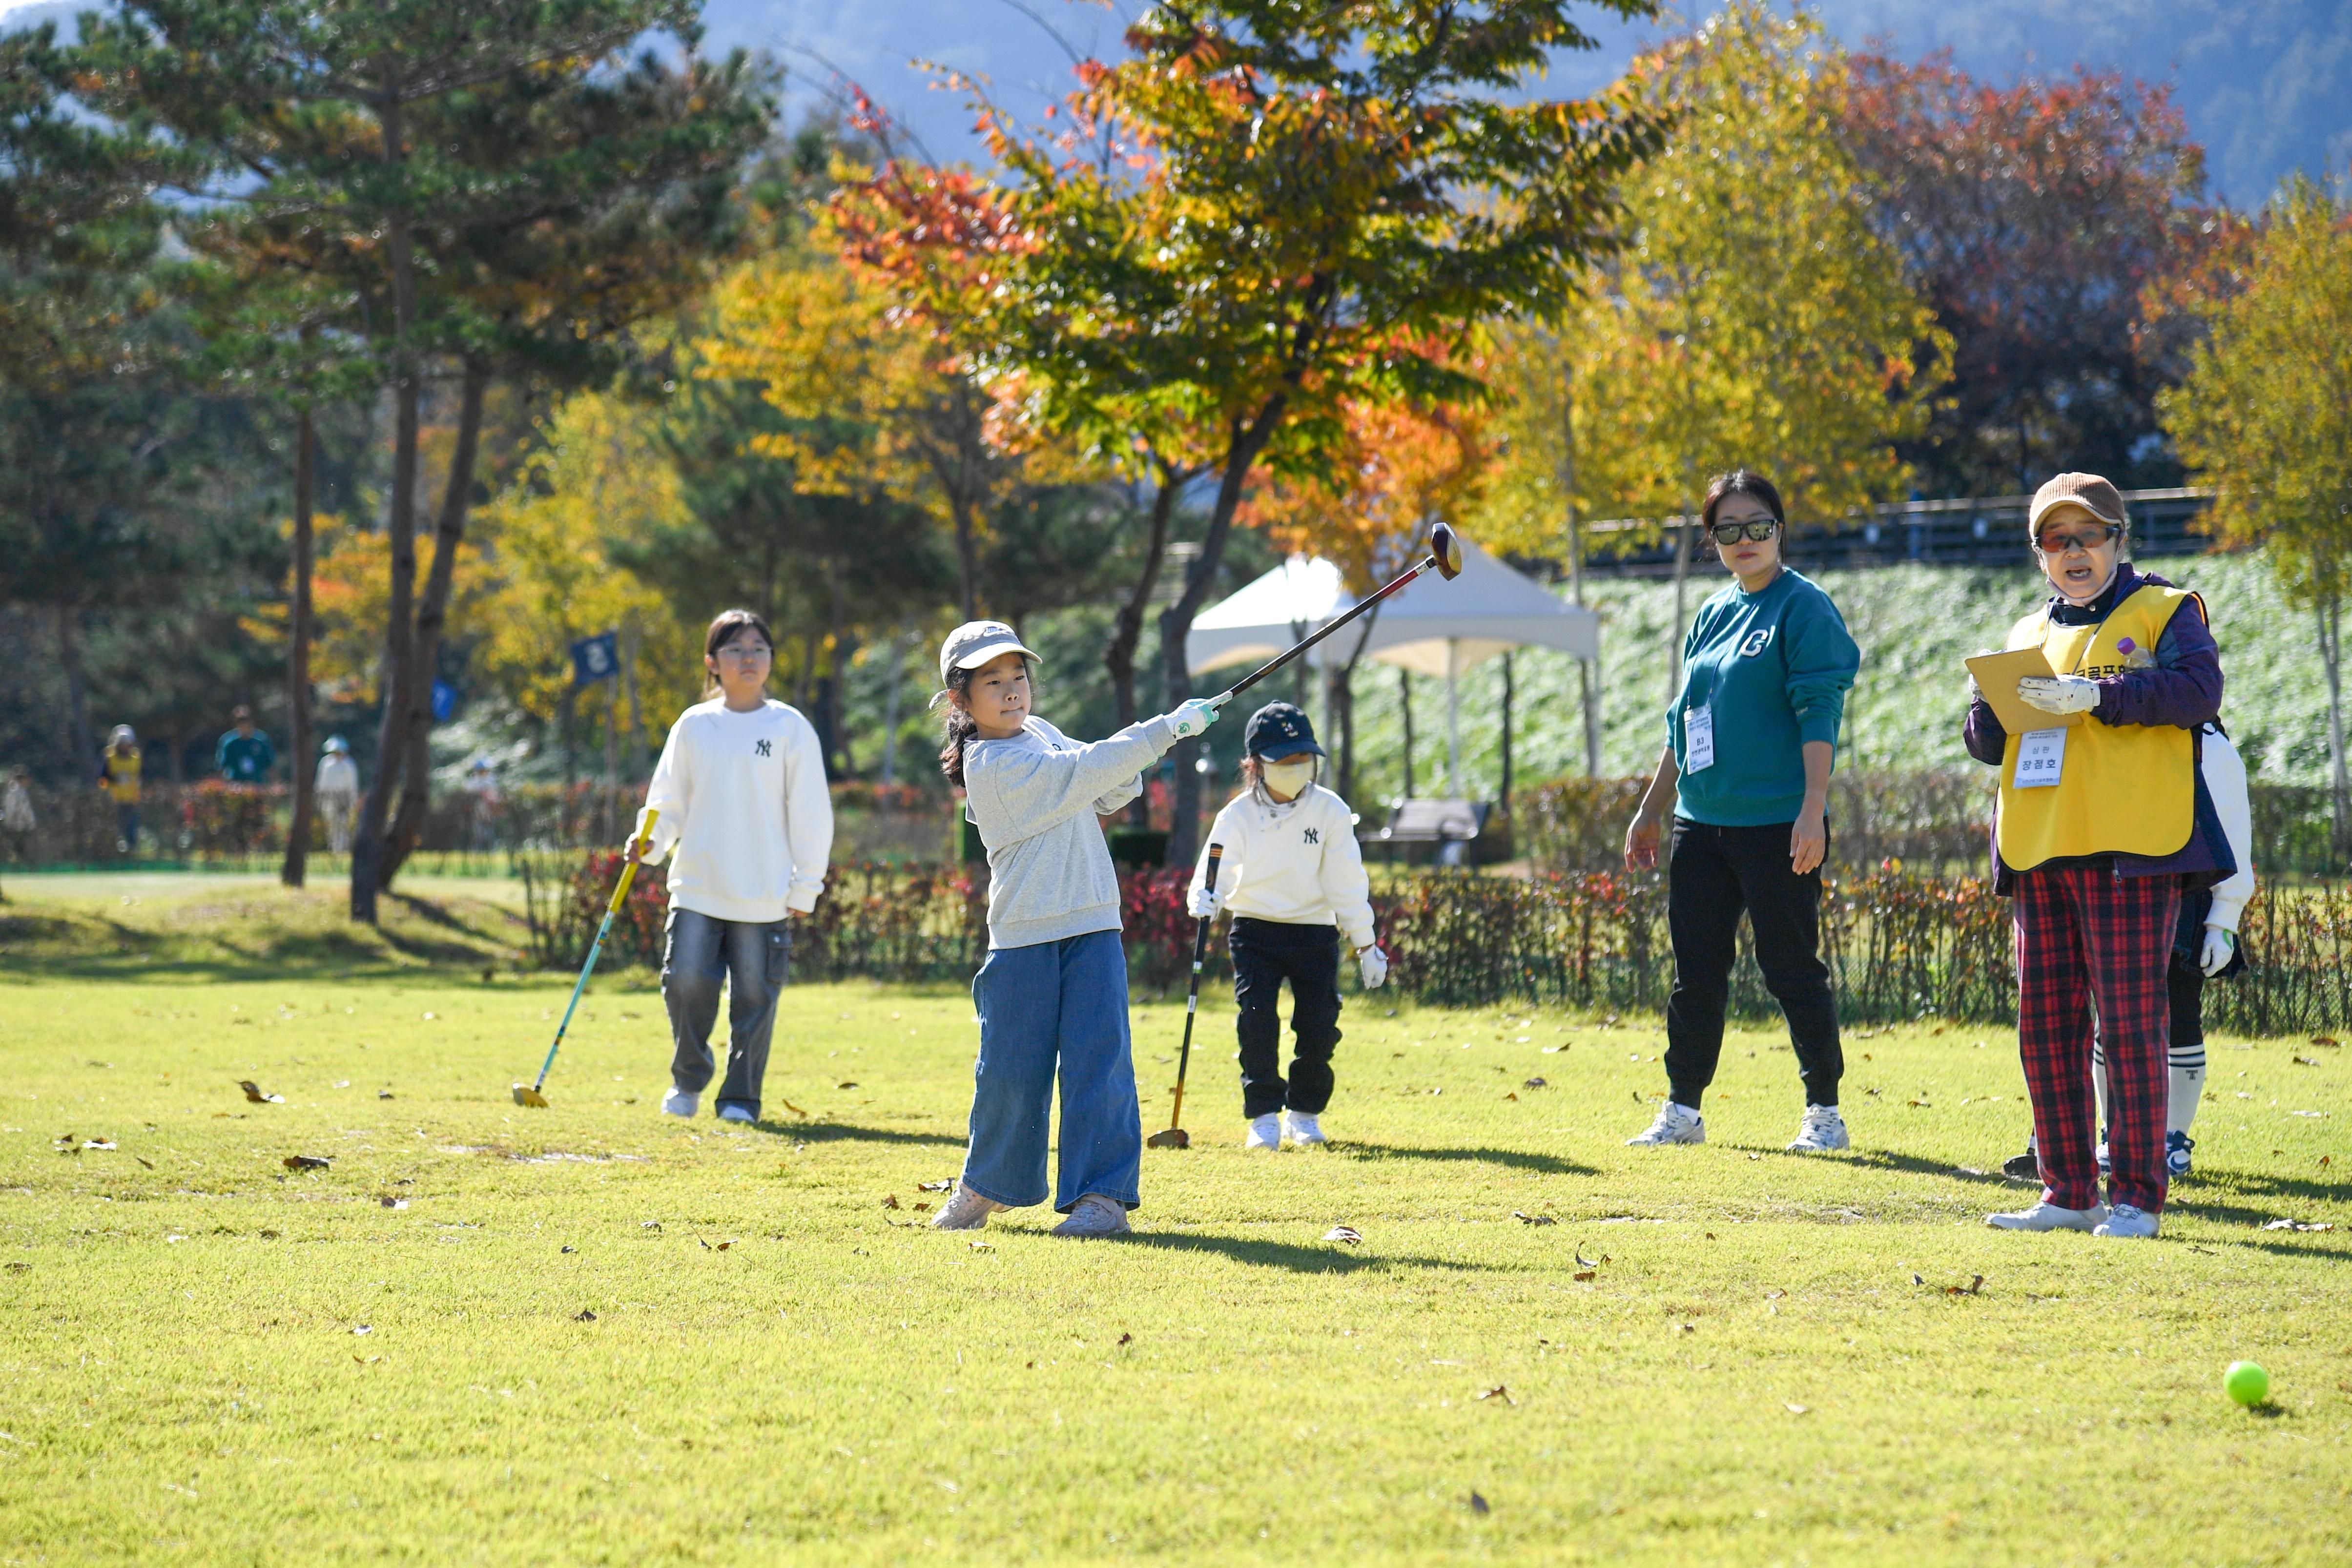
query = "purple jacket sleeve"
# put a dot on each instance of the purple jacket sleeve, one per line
(2183, 689)
(1982, 733)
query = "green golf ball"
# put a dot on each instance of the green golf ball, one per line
(2246, 1383)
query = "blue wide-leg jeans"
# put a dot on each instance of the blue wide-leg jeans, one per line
(1056, 1004)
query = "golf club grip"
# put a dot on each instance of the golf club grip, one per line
(629, 868)
(1333, 625)
(1201, 936)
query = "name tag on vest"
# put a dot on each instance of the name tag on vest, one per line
(1698, 740)
(2041, 757)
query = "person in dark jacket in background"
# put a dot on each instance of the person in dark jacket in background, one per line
(2101, 828)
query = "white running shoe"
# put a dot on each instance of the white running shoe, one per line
(2049, 1217)
(677, 1103)
(1306, 1129)
(2129, 1221)
(1822, 1130)
(1676, 1124)
(964, 1210)
(1265, 1131)
(735, 1113)
(1095, 1215)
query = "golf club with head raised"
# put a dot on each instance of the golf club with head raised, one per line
(1175, 1137)
(1445, 554)
(529, 1093)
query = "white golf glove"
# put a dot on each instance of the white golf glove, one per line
(1373, 965)
(2059, 693)
(1195, 715)
(1201, 903)
(2220, 947)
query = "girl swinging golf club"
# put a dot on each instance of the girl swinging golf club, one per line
(1053, 992)
(1291, 874)
(739, 797)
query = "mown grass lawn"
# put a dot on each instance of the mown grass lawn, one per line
(592, 1335)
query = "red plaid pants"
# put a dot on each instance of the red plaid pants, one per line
(2086, 936)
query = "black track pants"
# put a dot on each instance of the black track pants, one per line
(1265, 953)
(1717, 872)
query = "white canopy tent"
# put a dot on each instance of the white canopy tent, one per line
(1431, 626)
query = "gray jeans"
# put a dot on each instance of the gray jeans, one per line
(701, 952)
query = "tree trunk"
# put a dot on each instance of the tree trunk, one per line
(1244, 440)
(2331, 654)
(432, 615)
(896, 680)
(1127, 631)
(1682, 609)
(1503, 794)
(1588, 670)
(78, 739)
(967, 543)
(375, 807)
(297, 665)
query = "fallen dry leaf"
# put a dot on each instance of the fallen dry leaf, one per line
(1127, 1339)
(1973, 1288)
(795, 1110)
(851, 1084)
(253, 1092)
(1343, 1233)
(362, 1329)
(1533, 1083)
(307, 1163)
(584, 1315)
(983, 1246)
(1533, 1218)
(725, 1245)
(1498, 1392)
(946, 1186)
(890, 1201)
(402, 1203)
(1510, 1097)
(1478, 1505)
(2328, 1040)
(1917, 1280)
(1794, 1409)
(1583, 1274)
(151, 1164)
(1589, 1262)
(2305, 1061)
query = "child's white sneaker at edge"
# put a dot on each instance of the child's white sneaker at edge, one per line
(2049, 1217)
(1265, 1133)
(1822, 1130)
(1676, 1124)
(964, 1210)
(2129, 1221)
(677, 1103)
(1306, 1129)
(735, 1113)
(1093, 1216)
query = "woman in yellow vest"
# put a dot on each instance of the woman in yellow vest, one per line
(2102, 823)
(118, 775)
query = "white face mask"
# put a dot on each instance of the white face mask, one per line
(1287, 778)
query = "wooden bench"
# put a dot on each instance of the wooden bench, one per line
(1444, 832)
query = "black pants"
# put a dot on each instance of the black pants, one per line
(1265, 953)
(1716, 872)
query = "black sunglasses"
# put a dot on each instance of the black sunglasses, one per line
(1731, 532)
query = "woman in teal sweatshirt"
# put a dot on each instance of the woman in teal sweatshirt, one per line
(1749, 741)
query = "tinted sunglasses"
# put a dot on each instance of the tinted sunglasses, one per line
(2059, 541)
(1732, 532)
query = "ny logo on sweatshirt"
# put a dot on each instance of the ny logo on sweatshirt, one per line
(762, 748)
(1313, 835)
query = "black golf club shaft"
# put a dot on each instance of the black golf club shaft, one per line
(1193, 994)
(1333, 625)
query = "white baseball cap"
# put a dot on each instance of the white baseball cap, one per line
(974, 642)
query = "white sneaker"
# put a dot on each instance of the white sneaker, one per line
(2129, 1221)
(1265, 1131)
(734, 1113)
(1095, 1215)
(1676, 1124)
(1822, 1130)
(1306, 1130)
(677, 1103)
(964, 1210)
(2049, 1217)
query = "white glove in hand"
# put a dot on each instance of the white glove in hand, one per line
(1202, 904)
(1194, 716)
(2059, 693)
(2219, 946)
(1373, 965)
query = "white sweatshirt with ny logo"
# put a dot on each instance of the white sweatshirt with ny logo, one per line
(745, 817)
(1293, 862)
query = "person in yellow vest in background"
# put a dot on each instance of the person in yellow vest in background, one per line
(2104, 823)
(118, 775)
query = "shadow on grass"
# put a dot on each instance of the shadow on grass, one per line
(1880, 1160)
(1518, 1159)
(249, 942)
(853, 1132)
(1290, 1255)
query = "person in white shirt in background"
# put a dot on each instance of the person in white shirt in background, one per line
(17, 823)
(338, 792)
(2204, 947)
(482, 803)
(746, 821)
(1295, 880)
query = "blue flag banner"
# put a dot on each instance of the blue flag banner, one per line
(444, 701)
(595, 659)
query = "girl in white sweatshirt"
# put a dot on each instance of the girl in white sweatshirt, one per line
(1295, 880)
(747, 821)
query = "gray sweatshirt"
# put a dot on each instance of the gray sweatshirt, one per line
(1034, 799)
